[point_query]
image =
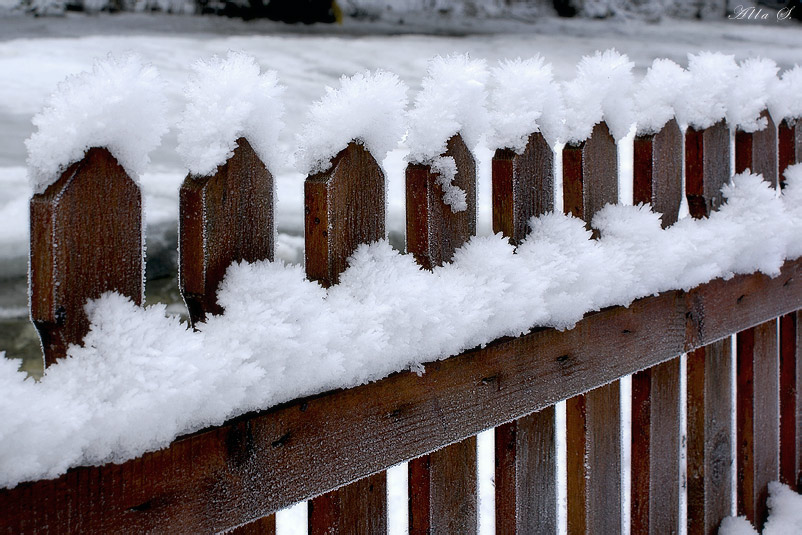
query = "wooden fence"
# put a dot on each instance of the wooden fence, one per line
(334, 448)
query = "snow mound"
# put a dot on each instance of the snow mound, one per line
(657, 94)
(524, 98)
(142, 378)
(785, 515)
(751, 90)
(368, 108)
(119, 105)
(228, 98)
(451, 101)
(600, 92)
(704, 102)
(786, 103)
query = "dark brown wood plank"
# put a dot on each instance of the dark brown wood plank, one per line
(86, 239)
(225, 217)
(757, 151)
(790, 401)
(262, 526)
(657, 171)
(526, 474)
(442, 486)
(657, 180)
(344, 208)
(263, 462)
(525, 468)
(709, 436)
(707, 167)
(523, 187)
(593, 437)
(789, 145)
(757, 418)
(434, 230)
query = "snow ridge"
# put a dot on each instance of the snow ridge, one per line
(142, 378)
(704, 101)
(119, 105)
(228, 98)
(368, 107)
(753, 86)
(786, 102)
(657, 94)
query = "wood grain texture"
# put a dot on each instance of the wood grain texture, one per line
(789, 145)
(523, 187)
(263, 526)
(526, 475)
(434, 230)
(225, 217)
(442, 486)
(593, 432)
(757, 419)
(86, 239)
(709, 437)
(344, 208)
(263, 462)
(657, 171)
(757, 151)
(790, 400)
(657, 179)
(707, 167)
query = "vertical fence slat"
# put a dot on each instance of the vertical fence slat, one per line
(593, 439)
(657, 180)
(523, 187)
(86, 239)
(442, 485)
(757, 419)
(790, 152)
(525, 480)
(757, 401)
(707, 168)
(225, 217)
(344, 207)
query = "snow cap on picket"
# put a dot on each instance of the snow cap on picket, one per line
(228, 98)
(600, 92)
(524, 98)
(120, 105)
(786, 100)
(451, 101)
(657, 93)
(704, 102)
(368, 108)
(754, 84)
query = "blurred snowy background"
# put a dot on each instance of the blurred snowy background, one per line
(38, 52)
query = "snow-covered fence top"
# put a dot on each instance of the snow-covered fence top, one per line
(267, 333)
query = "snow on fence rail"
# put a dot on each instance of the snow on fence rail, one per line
(265, 336)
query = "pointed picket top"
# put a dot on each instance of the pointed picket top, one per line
(437, 223)
(225, 217)
(523, 187)
(657, 171)
(86, 239)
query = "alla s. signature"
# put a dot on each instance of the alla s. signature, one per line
(758, 13)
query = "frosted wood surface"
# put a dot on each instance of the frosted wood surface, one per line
(226, 217)
(86, 239)
(523, 187)
(789, 142)
(657, 171)
(757, 151)
(790, 400)
(707, 167)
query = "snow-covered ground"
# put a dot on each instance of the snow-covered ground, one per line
(36, 54)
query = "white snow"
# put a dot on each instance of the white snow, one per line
(753, 86)
(451, 101)
(143, 378)
(785, 515)
(524, 99)
(601, 91)
(368, 108)
(228, 98)
(655, 96)
(445, 167)
(119, 105)
(704, 101)
(787, 99)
